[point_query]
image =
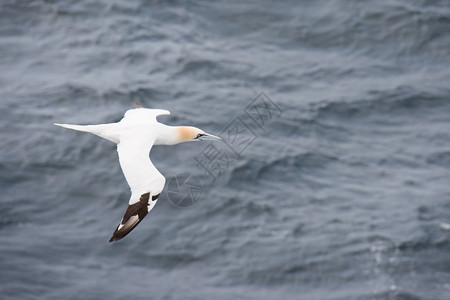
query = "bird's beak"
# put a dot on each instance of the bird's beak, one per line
(210, 137)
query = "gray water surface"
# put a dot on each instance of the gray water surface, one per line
(344, 194)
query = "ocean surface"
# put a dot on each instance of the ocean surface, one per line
(334, 178)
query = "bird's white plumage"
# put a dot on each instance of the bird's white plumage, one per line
(106, 131)
(139, 171)
(143, 114)
(135, 143)
(135, 136)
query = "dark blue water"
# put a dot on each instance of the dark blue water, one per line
(342, 194)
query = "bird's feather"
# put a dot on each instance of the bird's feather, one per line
(140, 173)
(133, 216)
(106, 131)
(146, 114)
(145, 181)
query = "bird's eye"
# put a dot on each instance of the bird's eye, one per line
(199, 135)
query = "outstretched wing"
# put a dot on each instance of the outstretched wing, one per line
(145, 181)
(145, 114)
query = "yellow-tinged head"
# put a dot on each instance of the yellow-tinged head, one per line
(193, 134)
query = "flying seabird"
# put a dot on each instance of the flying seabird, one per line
(135, 136)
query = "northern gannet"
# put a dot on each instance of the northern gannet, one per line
(135, 136)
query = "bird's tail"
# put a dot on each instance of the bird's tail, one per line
(84, 128)
(106, 131)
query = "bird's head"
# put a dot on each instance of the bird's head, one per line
(194, 134)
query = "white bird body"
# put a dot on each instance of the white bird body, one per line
(135, 136)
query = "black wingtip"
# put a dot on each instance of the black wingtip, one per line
(115, 236)
(133, 216)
